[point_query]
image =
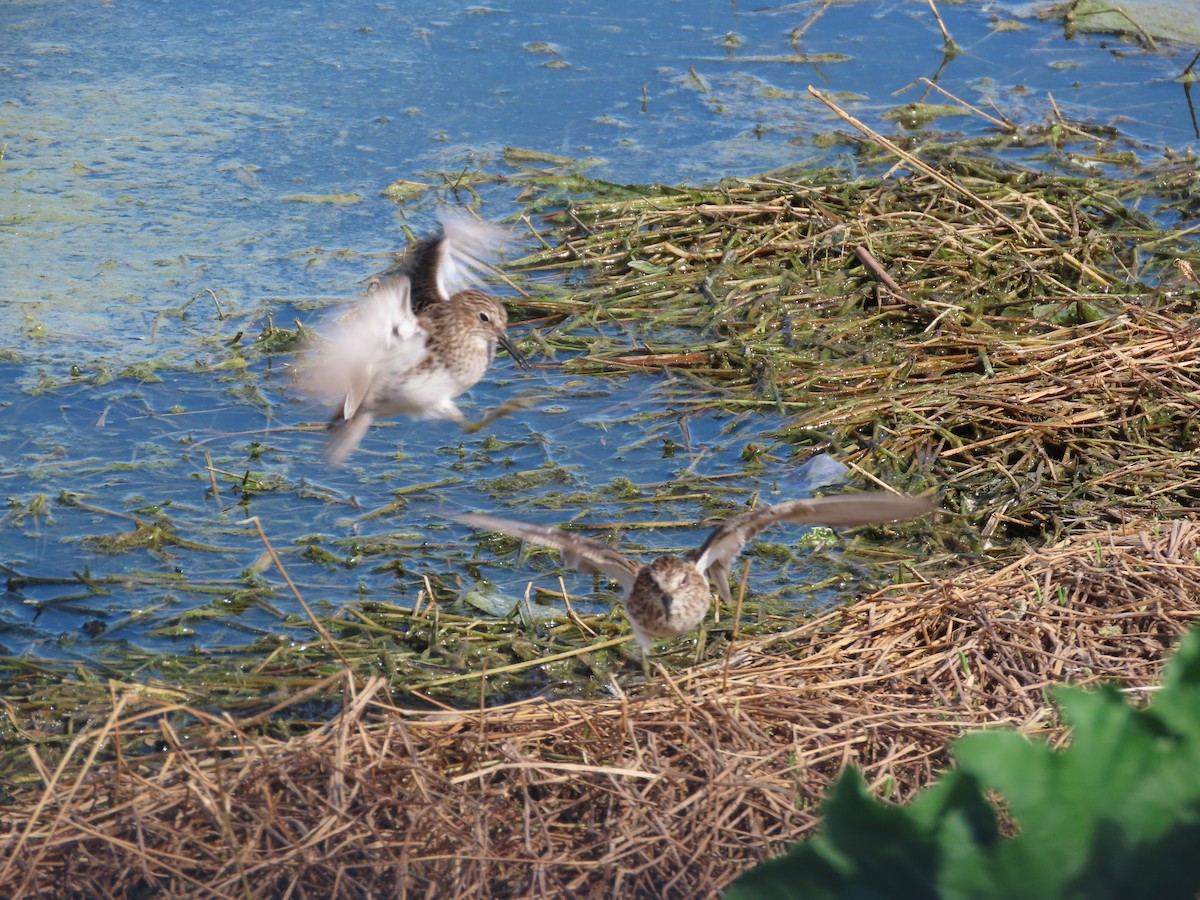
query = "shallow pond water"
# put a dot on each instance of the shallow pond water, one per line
(176, 174)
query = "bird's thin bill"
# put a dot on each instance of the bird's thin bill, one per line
(517, 355)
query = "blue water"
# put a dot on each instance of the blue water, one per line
(150, 148)
(156, 151)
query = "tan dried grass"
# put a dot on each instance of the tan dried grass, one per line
(668, 789)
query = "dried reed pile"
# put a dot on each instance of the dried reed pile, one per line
(1019, 340)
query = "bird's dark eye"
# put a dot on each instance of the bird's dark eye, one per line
(483, 317)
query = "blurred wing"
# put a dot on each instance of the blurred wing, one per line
(381, 328)
(443, 266)
(580, 553)
(725, 542)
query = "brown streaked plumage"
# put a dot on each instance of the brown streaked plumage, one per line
(671, 594)
(416, 343)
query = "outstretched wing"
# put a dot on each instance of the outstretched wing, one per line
(580, 553)
(716, 555)
(381, 327)
(441, 267)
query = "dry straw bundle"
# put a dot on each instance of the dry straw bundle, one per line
(669, 792)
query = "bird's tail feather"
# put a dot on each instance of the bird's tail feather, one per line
(344, 436)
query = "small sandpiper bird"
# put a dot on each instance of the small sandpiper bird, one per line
(671, 595)
(417, 342)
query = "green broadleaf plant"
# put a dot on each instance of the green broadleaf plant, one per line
(1114, 815)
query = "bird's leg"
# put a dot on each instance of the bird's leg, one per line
(511, 405)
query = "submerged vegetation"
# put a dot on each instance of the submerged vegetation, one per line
(1021, 341)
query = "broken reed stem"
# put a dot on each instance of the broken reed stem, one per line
(583, 626)
(798, 33)
(1002, 122)
(878, 272)
(737, 622)
(316, 623)
(946, 39)
(212, 477)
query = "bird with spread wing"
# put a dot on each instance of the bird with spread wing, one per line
(670, 595)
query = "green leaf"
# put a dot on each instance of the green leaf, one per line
(647, 268)
(1115, 815)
